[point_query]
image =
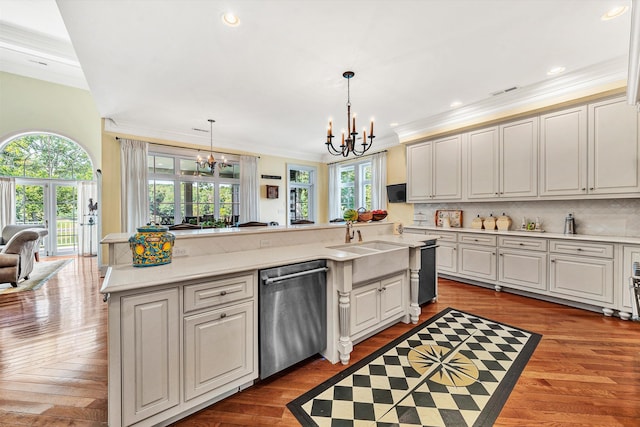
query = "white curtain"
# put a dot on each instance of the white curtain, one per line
(134, 185)
(249, 189)
(379, 180)
(8, 199)
(88, 219)
(334, 191)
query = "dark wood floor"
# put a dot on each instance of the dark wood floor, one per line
(53, 361)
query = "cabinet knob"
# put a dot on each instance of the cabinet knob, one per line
(501, 254)
(496, 194)
(584, 189)
(384, 288)
(521, 244)
(591, 188)
(579, 249)
(553, 260)
(493, 253)
(223, 293)
(379, 290)
(223, 315)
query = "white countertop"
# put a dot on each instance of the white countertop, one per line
(585, 237)
(126, 277)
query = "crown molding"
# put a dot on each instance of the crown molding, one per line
(130, 129)
(633, 86)
(584, 82)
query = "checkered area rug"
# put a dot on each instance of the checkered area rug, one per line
(455, 369)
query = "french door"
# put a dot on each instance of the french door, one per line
(53, 204)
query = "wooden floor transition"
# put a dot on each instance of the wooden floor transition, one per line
(53, 361)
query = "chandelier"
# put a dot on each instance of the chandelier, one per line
(349, 143)
(209, 161)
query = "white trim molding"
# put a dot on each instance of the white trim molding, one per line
(601, 77)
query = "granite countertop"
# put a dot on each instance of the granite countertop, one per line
(579, 237)
(126, 277)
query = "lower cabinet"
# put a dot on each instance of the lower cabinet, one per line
(150, 354)
(581, 279)
(477, 261)
(174, 348)
(218, 348)
(447, 257)
(523, 269)
(376, 302)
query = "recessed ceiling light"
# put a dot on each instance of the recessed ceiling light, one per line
(614, 12)
(455, 104)
(555, 70)
(230, 19)
(394, 124)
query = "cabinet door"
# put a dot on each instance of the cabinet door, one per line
(218, 348)
(563, 152)
(419, 172)
(519, 158)
(365, 307)
(447, 169)
(150, 354)
(477, 262)
(482, 164)
(446, 258)
(631, 254)
(523, 269)
(392, 301)
(583, 279)
(614, 160)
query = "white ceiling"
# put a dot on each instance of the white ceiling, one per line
(160, 68)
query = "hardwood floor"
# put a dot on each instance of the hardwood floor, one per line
(53, 361)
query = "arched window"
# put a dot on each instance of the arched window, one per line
(45, 156)
(53, 186)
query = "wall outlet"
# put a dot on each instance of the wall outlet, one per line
(180, 252)
(264, 243)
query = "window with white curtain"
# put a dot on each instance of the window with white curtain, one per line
(355, 186)
(302, 182)
(179, 191)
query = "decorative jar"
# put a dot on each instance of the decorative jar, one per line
(151, 245)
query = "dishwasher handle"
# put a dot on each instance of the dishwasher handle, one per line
(271, 280)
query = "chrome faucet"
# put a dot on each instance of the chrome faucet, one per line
(350, 234)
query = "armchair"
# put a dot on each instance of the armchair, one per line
(10, 230)
(17, 256)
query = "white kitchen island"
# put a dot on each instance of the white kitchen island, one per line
(185, 335)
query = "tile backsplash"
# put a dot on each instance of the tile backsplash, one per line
(605, 217)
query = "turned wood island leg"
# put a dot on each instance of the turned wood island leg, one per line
(414, 307)
(345, 345)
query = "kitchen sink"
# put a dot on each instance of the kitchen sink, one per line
(378, 259)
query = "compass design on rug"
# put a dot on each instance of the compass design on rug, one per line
(445, 367)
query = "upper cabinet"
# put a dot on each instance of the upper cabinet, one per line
(563, 152)
(502, 161)
(588, 150)
(434, 170)
(614, 163)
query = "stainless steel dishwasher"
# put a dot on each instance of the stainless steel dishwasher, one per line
(293, 314)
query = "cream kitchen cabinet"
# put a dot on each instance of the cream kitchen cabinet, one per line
(434, 170)
(477, 256)
(376, 302)
(447, 253)
(614, 150)
(150, 327)
(525, 270)
(502, 161)
(563, 152)
(210, 364)
(586, 276)
(167, 359)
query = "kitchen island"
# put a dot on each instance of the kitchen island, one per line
(185, 334)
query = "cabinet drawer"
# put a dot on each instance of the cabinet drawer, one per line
(523, 243)
(600, 250)
(446, 237)
(214, 292)
(477, 239)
